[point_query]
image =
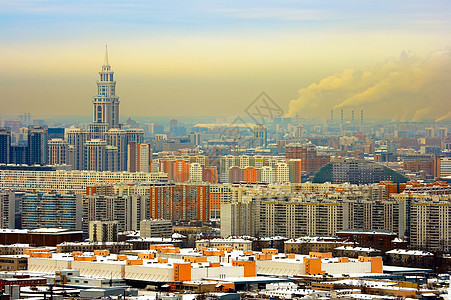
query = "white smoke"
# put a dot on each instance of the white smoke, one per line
(408, 88)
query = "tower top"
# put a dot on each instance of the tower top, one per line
(105, 63)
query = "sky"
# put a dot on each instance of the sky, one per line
(212, 58)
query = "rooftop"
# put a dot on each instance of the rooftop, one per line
(409, 252)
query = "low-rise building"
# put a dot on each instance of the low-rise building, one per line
(21, 249)
(13, 262)
(145, 243)
(165, 264)
(410, 258)
(156, 228)
(40, 236)
(235, 243)
(378, 239)
(305, 245)
(113, 247)
(355, 251)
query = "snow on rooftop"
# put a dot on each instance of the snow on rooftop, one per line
(361, 231)
(351, 248)
(48, 230)
(176, 235)
(317, 239)
(398, 240)
(112, 259)
(402, 269)
(92, 243)
(154, 240)
(6, 230)
(409, 252)
(227, 240)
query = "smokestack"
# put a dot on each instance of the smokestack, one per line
(352, 115)
(331, 114)
(341, 116)
(361, 116)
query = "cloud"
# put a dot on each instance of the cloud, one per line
(409, 88)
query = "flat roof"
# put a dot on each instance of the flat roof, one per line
(255, 279)
(41, 231)
(362, 231)
(396, 269)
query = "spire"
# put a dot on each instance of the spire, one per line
(106, 56)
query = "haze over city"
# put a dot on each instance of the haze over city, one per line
(225, 150)
(212, 58)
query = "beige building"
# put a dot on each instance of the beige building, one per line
(308, 210)
(70, 181)
(430, 224)
(235, 243)
(103, 231)
(155, 228)
(13, 262)
(57, 152)
(305, 245)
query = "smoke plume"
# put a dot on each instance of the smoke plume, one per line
(408, 88)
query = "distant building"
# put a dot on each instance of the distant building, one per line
(95, 154)
(355, 251)
(134, 135)
(195, 172)
(18, 154)
(103, 231)
(11, 209)
(139, 157)
(106, 103)
(50, 179)
(52, 210)
(127, 210)
(76, 139)
(156, 228)
(410, 258)
(430, 224)
(305, 245)
(13, 263)
(113, 247)
(378, 239)
(57, 151)
(210, 174)
(37, 145)
(234, 243)
(357, 171)
(39, 237)
(56, 133)
(260, 136)
(311, 160)
(445, 166)
(116, 137)
(5, 145)
(112, 159)
(282, 173)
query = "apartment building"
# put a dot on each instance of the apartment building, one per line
(430, 223)
(52, 210)
(70, 181)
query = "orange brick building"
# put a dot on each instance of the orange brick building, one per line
(177, 202)
(311, 161)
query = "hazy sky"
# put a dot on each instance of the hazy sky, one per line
(175, 58)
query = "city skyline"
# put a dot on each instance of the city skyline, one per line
(214, 59)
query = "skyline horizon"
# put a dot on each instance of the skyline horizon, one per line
(211, 58)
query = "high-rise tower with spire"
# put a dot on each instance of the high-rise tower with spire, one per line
(104, 146)
(105, 104)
